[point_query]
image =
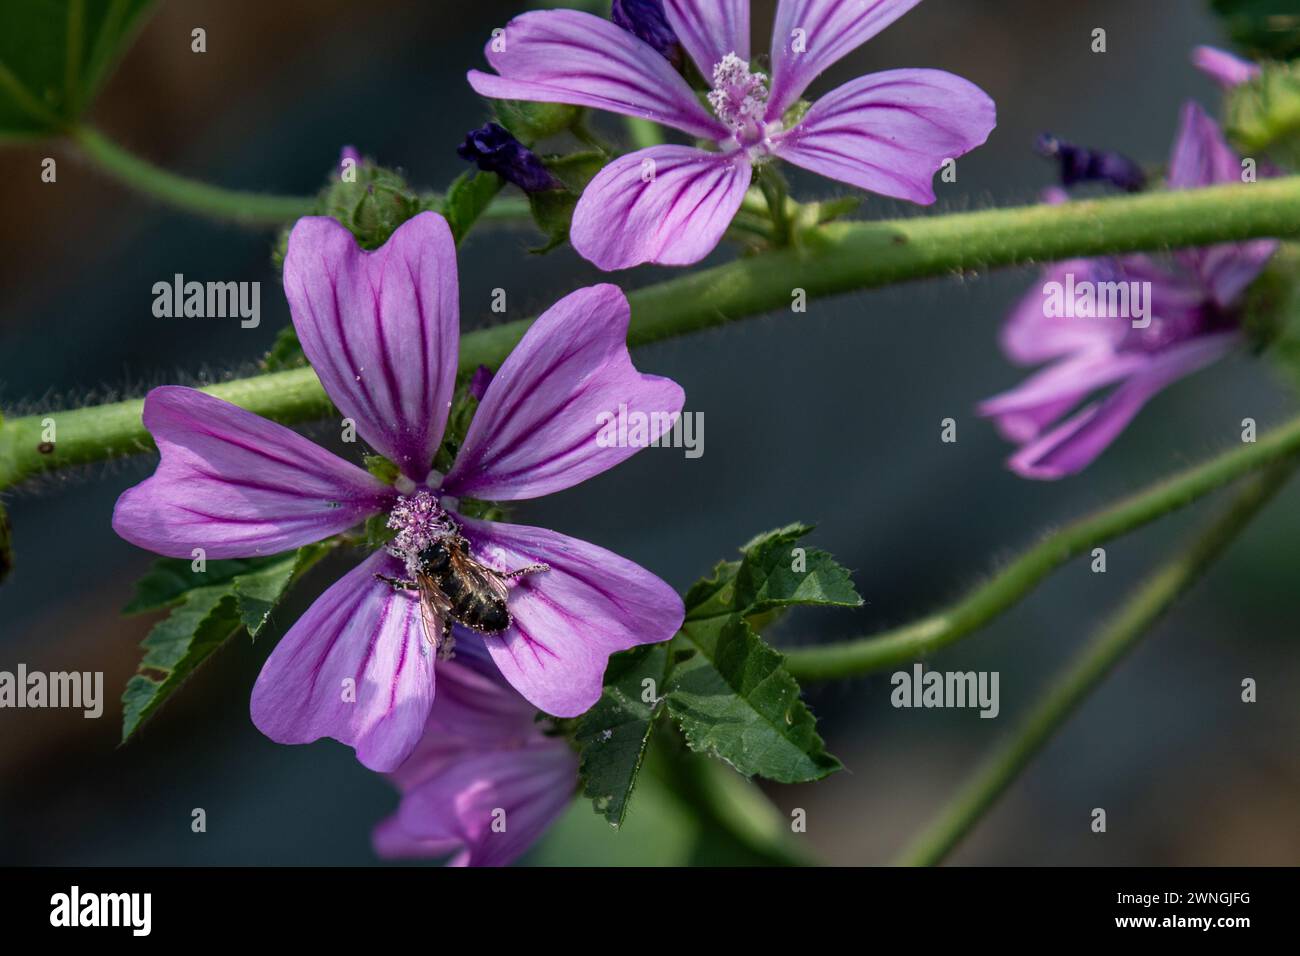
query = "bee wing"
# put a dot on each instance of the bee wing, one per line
(480, 577)
(435, 609)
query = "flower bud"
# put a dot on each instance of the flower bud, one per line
(1264, 115)
(1080, 164)
(645, 19)
(494, 150)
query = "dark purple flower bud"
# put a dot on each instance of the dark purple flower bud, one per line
(1079, 164)
(496, 151)
(478, 385)
(645, 20)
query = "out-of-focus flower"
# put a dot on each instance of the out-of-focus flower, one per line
(1174, 320)
(1080, 164)
(485, 781)
(1226, 69)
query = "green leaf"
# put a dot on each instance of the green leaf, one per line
(773, 573)
(777, 573)
(55, 56)
(204, 621)
(1264, 29)
(730, 693)
(234, 596)
(171, 579)
(614, 734)
(727, 690)
(733, 699)
(258, 592)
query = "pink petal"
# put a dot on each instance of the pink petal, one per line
(567, 56)
(666, 204)
(1223, 67)
(475, 710)
(891, 132)
(237, 485)
(361, 640)
(1022, 413)
(537, 430)
(568, 620)
(391, 842)
(710, 29)
(1202, 157)
(381, 329)
(493, 804)
(830, 29)
(1074, 445)
(1030, 336)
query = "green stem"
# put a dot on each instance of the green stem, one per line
(1156, 595)
(643, 133)
(776, 192)
(726, 801)
(839, 257)
(911, 641)
(187, 194)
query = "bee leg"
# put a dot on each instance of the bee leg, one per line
(397, 584)
(530, 569)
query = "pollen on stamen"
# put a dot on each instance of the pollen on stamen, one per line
(419, 521)
(739, 96)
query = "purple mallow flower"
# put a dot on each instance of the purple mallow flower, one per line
(485, 781)
(886, 132)
(494, 150)
(381, 330)
(1189, 317)
(1226, 69)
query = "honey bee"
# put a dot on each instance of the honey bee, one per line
(455, 588)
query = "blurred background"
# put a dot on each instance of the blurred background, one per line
(830, 417)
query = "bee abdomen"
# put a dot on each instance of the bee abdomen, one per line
(482, 613)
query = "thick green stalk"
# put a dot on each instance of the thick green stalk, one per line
(191, 195)
(911, 641)
(838, 258)
(1116, 638)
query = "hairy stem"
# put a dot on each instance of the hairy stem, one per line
(911, 641)
(260, 209)
(839, 257)
(1156, 595)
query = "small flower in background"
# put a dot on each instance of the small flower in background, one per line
(887, 133)
(381, 331)
(1194, 320)
(1079, 164)
(479, 382)
(485, 781)
(494, 150)
(1226, 69)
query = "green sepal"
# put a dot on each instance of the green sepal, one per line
(1263, 115)
(531, 122)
